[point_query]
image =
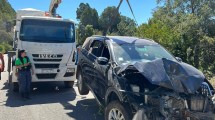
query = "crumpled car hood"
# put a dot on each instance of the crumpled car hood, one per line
(174, 75)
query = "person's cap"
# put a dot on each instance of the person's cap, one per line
(21, 51)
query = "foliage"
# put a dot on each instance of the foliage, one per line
(106, 19)
(186, 28)
(126, 26)
(89, 24)
(83, 32)
(7, 13)
(87, 15)
(4, 47)
(4, 36)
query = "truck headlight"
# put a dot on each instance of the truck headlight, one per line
(70, 70)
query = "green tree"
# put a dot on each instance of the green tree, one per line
(4, 47)
(7, 13)
(81, 9)
(84, 32)
(109, 18)
(186, 28)
(87, 15)
(208, 54)
(126, 26)
(192, 20)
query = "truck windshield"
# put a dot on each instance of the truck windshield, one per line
(47, 31)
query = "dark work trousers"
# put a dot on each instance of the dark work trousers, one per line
(24, 79)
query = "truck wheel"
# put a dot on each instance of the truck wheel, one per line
(82, 88)
(116, 111)
(15, 87)
(68, 84)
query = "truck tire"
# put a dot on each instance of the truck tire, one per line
(82, 88)
(116, 111)
(15, 87)
(68, 84)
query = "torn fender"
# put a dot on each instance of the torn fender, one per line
(174, 75)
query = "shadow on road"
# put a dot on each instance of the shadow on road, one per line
(46, 93)
(42, 93)
(86, 109)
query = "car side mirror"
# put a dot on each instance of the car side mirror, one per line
(102, 60)
(178, 59)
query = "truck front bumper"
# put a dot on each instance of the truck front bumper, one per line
(45, 75)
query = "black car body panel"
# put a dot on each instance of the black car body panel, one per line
(174, 75)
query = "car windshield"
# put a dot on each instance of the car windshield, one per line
(47, 31)
(128, 53)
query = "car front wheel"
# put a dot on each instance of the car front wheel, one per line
(116, 111)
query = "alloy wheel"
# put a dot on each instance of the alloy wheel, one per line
(115, 114)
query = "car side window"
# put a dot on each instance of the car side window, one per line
(95, 48)
(105, 52)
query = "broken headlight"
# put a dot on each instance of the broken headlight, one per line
(135, 88)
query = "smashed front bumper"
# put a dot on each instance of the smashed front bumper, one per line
(141, 114)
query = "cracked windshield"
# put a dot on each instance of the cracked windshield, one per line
(107, 59)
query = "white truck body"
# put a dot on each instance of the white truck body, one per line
(52, 58)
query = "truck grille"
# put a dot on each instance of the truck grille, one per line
(47, 60)
(46, 76)
(46, 66)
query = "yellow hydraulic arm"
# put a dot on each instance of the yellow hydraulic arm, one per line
(53, 7)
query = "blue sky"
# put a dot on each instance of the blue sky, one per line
(142, 8)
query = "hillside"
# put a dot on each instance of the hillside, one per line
(7, 13)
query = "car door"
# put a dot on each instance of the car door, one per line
(101, 72)
(84, 62)
(91, 59)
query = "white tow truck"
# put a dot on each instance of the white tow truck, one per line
(50, 44)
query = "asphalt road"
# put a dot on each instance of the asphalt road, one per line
(49, 101)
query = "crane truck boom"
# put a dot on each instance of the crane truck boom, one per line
(53, 7)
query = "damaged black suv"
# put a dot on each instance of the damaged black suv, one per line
(138, 79)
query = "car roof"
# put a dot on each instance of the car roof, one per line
(126, 40)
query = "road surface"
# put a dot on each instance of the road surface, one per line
(50, 101)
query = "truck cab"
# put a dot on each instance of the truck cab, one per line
(50, 44)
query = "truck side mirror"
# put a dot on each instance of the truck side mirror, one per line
(102, 60)
(178, 59)
(16, 36)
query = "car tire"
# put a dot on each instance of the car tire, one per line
(15, 87)
(68, 84)
(114, 108)
(82, 88)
